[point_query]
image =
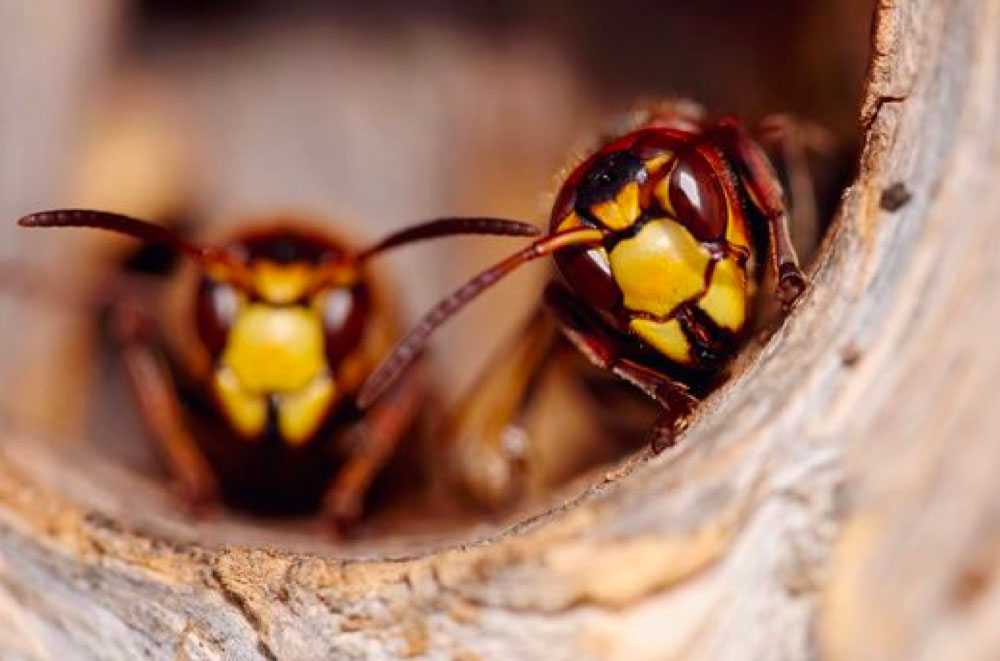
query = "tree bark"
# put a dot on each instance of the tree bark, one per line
(836, 499)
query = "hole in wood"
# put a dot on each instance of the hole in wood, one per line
(381, 125)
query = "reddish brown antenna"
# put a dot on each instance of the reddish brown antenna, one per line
(339, 271)
(441, 227)
(410, 346)
(221, 263)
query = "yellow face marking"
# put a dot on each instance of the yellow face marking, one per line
(660, 267)
(662, 194)
(275, 349)
(300, 413)
(247, 411)
(736, 231)
(667, 338)
(571, 221)
(621, 212)
(281, 284)
(726, 298)
(656, 163)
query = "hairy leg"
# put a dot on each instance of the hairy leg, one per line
(795, 139)
(768, 196)
(161, 410)
(487, 443)
(606, 352)
(373, 442)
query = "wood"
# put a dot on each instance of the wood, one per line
(837, 499)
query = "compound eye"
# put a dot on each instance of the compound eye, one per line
(344, 312)
(697, 198)
(217, 307)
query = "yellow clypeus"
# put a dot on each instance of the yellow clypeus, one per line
(275, 349)
(659, 268)
(279, 353)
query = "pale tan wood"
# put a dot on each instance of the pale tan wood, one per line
(837, 499)
(51, 59)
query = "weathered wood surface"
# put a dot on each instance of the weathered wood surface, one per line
(837, 500)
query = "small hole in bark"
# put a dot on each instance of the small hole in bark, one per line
(851, 355)
(895, 197)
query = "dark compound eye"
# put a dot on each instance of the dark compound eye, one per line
(697, 197)
(345, 314)
(608, 175)
(216, 308)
